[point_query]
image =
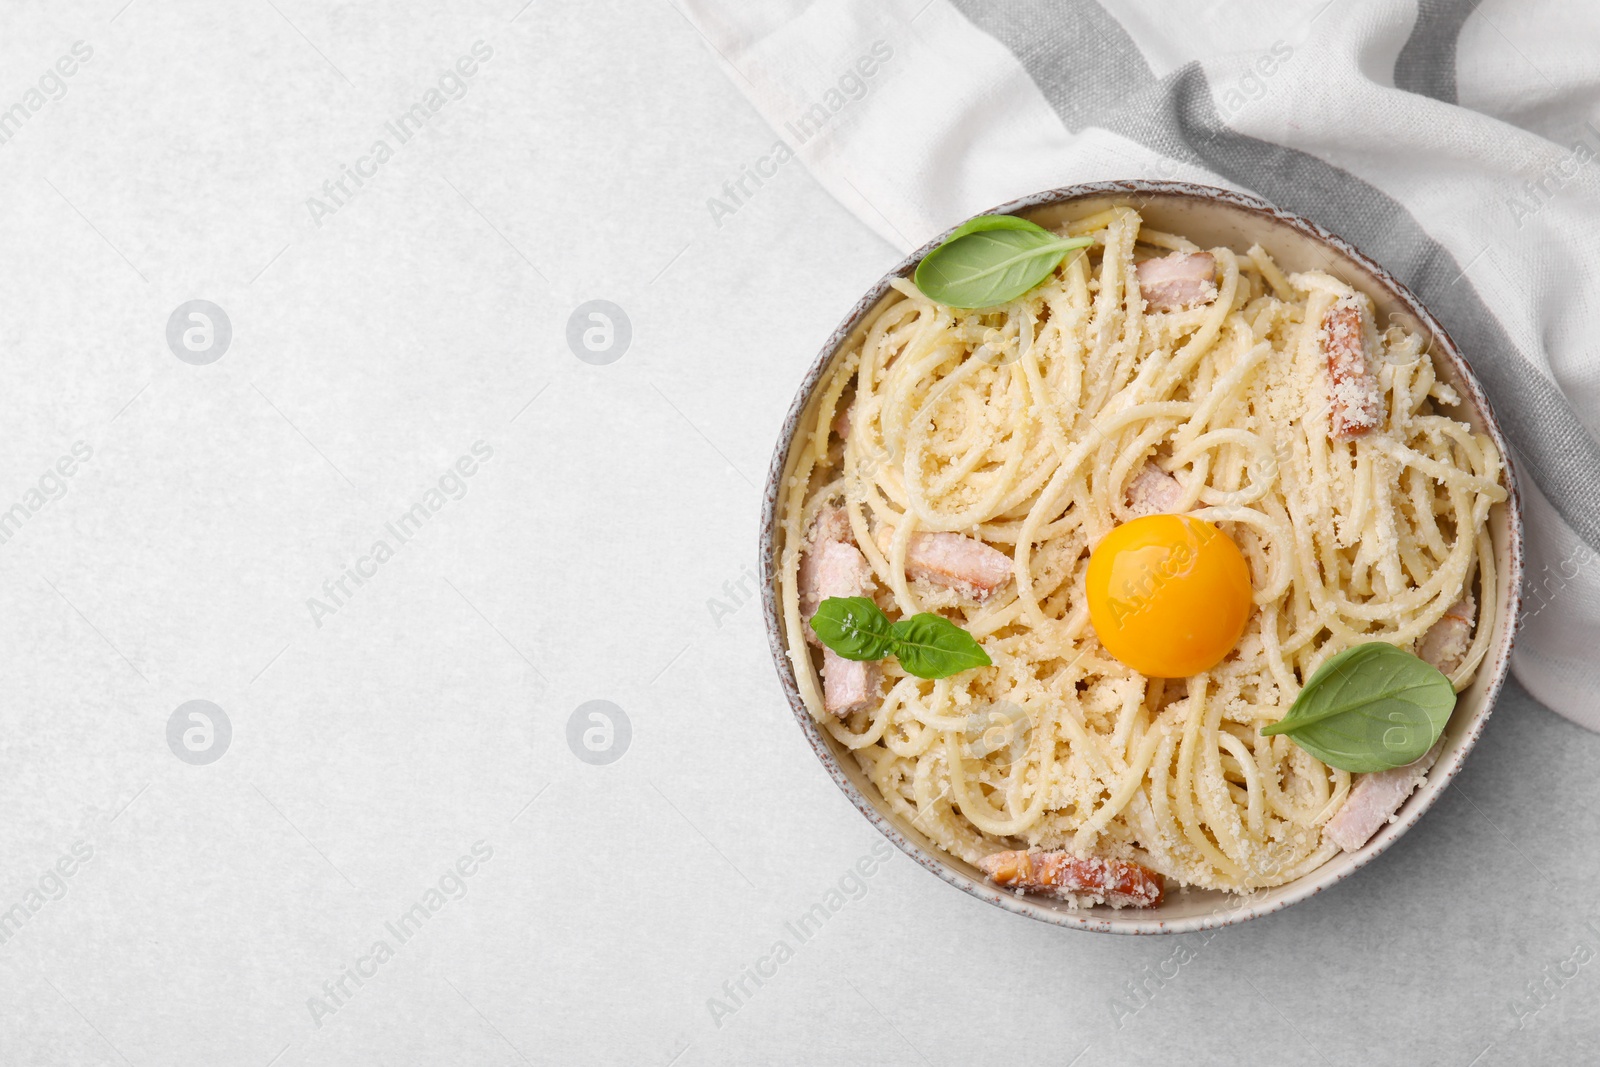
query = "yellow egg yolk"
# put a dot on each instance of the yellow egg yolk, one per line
(1169, 595)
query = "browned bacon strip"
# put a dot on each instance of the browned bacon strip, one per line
(1374, 799)
(1120, 883)
(848, 685)
(1153, 491)
(841, 423)
(833, 566)
(1355, 404)
(1446, 642)
(1179, 281)
(832, 523)
(953, 561)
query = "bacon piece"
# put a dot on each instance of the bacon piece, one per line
(1119, 883)
(848, 685)
(841, 422)
(1355, 404)
(1374, 800)
(1154, 492)
(833, 566)
(832, 523)
(953, 561)
(1446, 642)
(1180, 281)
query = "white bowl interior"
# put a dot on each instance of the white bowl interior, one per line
(1211, 218)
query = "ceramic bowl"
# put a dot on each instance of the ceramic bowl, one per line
(1209, 217)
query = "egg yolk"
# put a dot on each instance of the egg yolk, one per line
(1169, 595)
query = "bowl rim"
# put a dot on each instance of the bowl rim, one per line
(1496, 661)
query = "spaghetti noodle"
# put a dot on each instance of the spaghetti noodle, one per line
(1025, 427)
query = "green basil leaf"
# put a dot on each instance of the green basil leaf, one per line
(931, 646)
(928, 646)
(1370, 708)
(990, 260)
(853, 627)
(980, 223)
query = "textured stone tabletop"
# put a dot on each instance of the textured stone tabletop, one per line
(336, 440)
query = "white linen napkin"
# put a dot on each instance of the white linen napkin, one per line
(1454, 142)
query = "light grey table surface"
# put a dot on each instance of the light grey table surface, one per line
(418, 725)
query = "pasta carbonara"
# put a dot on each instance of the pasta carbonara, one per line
(972, 460)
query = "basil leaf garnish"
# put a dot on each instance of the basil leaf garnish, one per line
(853, 627)
(990, 260)
(931, 646)
(1370, 708)
(980, 223)
(927, 645)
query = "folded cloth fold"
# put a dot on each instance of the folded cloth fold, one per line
(1457, 163)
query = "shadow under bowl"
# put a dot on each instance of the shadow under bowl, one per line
(1210, 217)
